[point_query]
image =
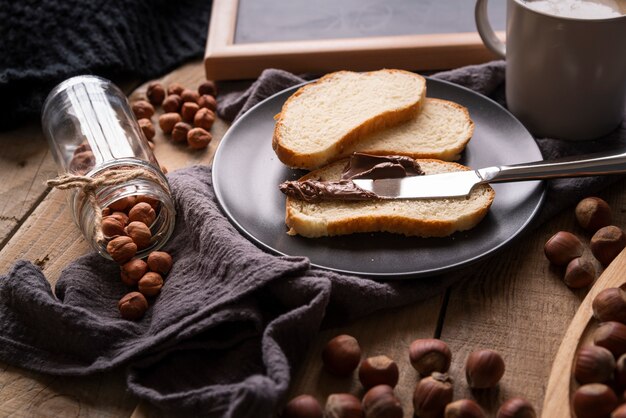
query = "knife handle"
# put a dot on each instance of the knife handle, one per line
(611, 162)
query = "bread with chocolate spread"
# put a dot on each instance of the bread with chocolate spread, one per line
(413, 217)
(441, 130)
(324, 118)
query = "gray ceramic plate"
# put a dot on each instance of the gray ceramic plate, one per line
(246, 175)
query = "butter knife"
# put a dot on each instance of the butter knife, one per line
(461, 183)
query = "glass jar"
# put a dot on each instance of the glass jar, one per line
(93, 133)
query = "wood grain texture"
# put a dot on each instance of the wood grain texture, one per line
(25, 164)
(518, 305)
(389, 333)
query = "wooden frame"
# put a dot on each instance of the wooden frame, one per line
(225, 60)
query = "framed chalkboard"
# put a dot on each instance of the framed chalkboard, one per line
(318, 36)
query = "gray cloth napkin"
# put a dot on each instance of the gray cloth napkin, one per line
(232, 322)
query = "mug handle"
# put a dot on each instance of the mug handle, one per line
(489, 37)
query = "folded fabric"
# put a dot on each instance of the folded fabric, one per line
(223, 337)
(46, 42)
(232, 322)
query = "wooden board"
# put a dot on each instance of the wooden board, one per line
(246, 37)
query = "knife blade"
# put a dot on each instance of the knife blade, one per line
(461, 183)
(431, 186)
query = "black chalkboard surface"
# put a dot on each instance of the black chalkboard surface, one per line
(247, 36)
(298, 20)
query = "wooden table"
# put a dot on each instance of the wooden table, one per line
(515, 304)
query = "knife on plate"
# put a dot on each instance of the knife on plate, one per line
(461, 183)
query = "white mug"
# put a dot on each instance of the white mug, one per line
(565, 76)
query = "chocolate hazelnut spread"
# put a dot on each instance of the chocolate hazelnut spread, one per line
(361, 166)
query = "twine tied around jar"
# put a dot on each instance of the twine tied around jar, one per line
(89, 186)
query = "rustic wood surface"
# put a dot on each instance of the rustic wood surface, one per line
(515, 303)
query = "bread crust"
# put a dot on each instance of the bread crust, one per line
(310, 161)
(313, 227)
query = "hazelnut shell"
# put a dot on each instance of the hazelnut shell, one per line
(562, 248)
(612, 336)
(516, 408)
(133, 306)
(343, 405)
(381, 402)
(610, 305)
(429, 355)
(594, 400)
(432, 394)
(341, 355)
(303, 406)
(464, 408)
(378, 370)
(594, 364)
(607, 243)
(484, 369)
(593, 213)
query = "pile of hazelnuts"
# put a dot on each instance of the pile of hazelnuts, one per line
(126, 224)
(188, 115)
(600, 368)
(565, 249)
(433, 394)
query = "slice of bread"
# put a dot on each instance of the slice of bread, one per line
(413, 217)
(320, 120)
(441, 130)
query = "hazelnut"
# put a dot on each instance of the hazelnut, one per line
(343, 405)
(112, 227)
(155, 93)
(198, 138)
(341, 355)
(82, 162)
(189, 96)
(150, 284)
(594, 364)
(132, 271)
(121, 217)
(620, 412)
(620, 371)
(147, 128)
(610, 305)
(593, 213)
(160, 262)
(612, 336)
(607, 243)
(142, 212)
(142, 109)
(207, 102)
(516, 408)
(562, 248)
(133, 306)
(432, 395)
(429, 355)
(464, 408)
(379, 370)
(152, 201)
(172, 103)
(594, 400)
(381, 402)
(123, 204)
(140, 234)
(82, 147)
(121, 249)
(180, 131)
(579, 273)
(189, 110)
(106, 212)
(204, 119)
(175, 88)
(484, 369)
(168, 120)
(303, 406)
(208, 87)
